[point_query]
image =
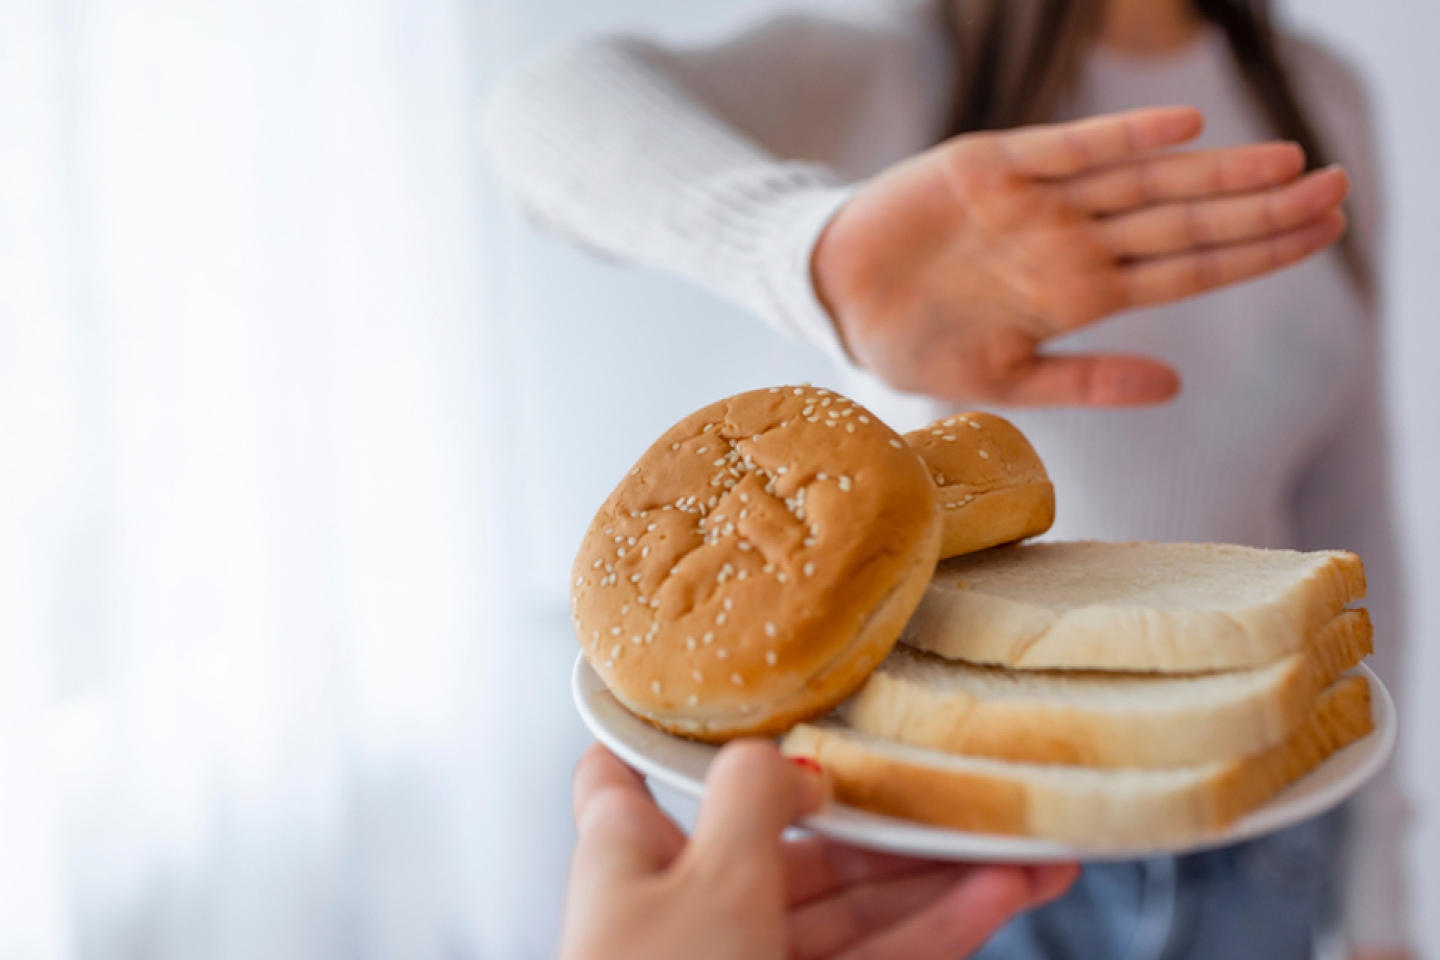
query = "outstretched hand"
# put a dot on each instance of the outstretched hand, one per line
(639, 889)
(947, 273)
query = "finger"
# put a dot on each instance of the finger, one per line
(752, 793)
(957, 923)
(1185, 176)
(621, 830)
(1172, 278)
(1105, 380)
(1176, 227)
(836, 922)
(1050, 880)
(815, 867)
(1065, 149)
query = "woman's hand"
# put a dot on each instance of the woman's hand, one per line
(947, 273)
(640, 890)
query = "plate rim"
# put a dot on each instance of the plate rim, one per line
(877, 831)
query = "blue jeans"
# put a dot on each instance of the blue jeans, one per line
(1268, 899)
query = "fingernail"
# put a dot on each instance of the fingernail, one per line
(809, 764)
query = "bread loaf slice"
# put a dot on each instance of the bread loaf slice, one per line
(1116, 809)
(1102, 719)
(1166, 607)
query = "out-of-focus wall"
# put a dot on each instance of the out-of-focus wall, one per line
(577, 424)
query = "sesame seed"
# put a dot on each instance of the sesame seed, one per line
(644, 552)
(849, 428)
(635, 472)
(721, 653)
(692, 700)
(774, 389)
(690, 643)
(579, 581)
(973, 425)
(864, 419)
(624, 609)
(707, 637)
(744, 545)
(848, 411)
(651, 528)
(596, 565)
(781, 576)
(609, 664)
(822, 476)
(807, 411)
(845, 483)
(703, 450)
(799, 392)
(896, 444)
(634, 578)
(949, 438)
(620, 552)
(744, 498)
(615, 652)
(809, 541)
(697, 676)
(742, 575)
(641, 600)
(729, 604)
(937, 433)
(614, 631)
(770, 657)
(984, 455)
(769, 629)
(655, 686)
(736, 679)
(824, 403)
(809, 569)
(636, 640)
(719, 619)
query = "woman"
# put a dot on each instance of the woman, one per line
(829, 174)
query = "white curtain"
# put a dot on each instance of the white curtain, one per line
(246, 601)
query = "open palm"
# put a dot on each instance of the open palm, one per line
(947, 273)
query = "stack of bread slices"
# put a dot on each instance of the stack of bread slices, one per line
(1110, 694)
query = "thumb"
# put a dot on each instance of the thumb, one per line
(752, 793)
(1107, 380)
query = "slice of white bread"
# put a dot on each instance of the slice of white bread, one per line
(1102, 719)
(1117, 809)
(1166, 607)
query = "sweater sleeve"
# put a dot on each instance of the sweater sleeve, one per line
(721, 164)
(1346, 501)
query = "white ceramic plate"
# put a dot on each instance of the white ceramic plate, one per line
(681, 765)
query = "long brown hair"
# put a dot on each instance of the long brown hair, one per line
(1018, 60)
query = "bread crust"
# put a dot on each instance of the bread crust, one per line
(1093, 606)
(1124, 720)
(990, 482)
(1119, 810)
(755, 564)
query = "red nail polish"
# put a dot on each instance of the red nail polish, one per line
(807, 763)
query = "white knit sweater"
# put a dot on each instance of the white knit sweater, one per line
(723, 165)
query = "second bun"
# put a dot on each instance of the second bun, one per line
(993, 489)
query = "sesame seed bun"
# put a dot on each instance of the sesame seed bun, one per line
(993, 489)
(756, 564)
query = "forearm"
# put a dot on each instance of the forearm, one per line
(605, 147)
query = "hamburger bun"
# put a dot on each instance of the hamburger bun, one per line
(756, 564)
(993, 489)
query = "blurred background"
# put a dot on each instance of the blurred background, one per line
(299, 427)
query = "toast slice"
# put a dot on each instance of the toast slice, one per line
(1117, 809)
(1102, 720)
(1150, 607)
